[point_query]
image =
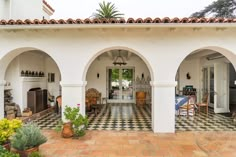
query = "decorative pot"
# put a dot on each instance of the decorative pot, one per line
(7, 145)
(26, 153)
(67, 130)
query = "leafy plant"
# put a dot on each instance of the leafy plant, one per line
(78, 121)
(7, 128)
(6, 153)
(27, 137)
(35, 154)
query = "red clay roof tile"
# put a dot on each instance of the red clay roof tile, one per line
(113, 21)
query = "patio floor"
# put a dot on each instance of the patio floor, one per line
(104, 143)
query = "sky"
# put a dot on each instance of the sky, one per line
(82, 9)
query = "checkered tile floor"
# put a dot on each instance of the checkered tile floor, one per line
(203, 122)
(121, 117)
(48, 121)
(132, 117)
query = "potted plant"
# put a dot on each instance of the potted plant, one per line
(5, 153)
(27, 139)
(7, 129)
(35, 154)
(76, 123)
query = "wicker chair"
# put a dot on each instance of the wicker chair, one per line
(93, 97)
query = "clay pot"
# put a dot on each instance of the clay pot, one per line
(26, 153)
(7, 146)
(67, 130)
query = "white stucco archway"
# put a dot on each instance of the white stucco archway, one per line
(125, 48)
(195, 61)
(112, 48)
(224, 51)
(10, 56)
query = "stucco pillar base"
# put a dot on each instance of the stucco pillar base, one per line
(73, 94)
(2, 83)
(163, 113)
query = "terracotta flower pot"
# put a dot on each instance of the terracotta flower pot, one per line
(7, 145)
(67, 130)
(26, 153)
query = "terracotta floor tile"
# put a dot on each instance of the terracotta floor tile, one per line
(140, 144)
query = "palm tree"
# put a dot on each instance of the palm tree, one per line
(107, 10)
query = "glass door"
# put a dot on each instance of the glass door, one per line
(208, 83)
(113, 84)
(120, 84)
(127, 84)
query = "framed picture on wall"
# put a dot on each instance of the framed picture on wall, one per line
(51, 77)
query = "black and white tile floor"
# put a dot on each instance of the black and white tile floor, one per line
(203, 122)
(131, 117)
(121, 116)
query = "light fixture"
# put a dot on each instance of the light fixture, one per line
(214, 56)
(119, 60)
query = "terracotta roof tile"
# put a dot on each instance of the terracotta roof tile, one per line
(87, 21)
(175, 20)
(157, 20)
(49, 6)
(113, 21)
(148, 20)
(139, 20)
(53, 21)
(79, 21)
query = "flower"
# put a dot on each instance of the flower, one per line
(78, 105)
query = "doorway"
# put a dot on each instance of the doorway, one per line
(208, 84)
(120, 82)
(215, 82)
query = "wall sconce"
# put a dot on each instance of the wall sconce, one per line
(142, 75)
(98, 75)
(188, 76)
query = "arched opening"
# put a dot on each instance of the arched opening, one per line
(205, 92)
(118, 91)
(32, 81)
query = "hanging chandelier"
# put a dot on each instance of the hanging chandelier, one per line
(119, 60)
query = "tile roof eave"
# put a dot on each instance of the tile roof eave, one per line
(130, 21)
(89, 26)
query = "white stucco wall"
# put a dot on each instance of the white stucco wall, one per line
(4, 9)
(51, 67)
(192, 67)
(100, 66)
(162, 50)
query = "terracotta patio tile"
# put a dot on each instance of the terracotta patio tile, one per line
(139, 144)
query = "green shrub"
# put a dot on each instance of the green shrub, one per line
(6, 153)
(35, 154)
(7, 128)
(78, 121)
(28, 136)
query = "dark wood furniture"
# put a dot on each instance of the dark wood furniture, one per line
(37, 99)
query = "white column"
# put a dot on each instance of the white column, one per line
(73, 94)
(163, 107)
(2, 83)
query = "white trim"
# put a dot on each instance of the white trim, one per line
(33, 79)
(82, 84)
(163, 84)
(120, 25)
